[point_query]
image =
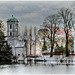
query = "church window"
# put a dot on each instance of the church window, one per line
(18, 54)
(10, 33)
(10, 26)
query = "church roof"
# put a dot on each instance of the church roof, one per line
(19, 43)
(12, 19)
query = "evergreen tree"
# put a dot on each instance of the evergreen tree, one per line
(5, 49)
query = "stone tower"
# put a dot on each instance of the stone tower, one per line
(12, 28)
(12, 32)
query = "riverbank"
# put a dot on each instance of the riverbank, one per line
(56, 59)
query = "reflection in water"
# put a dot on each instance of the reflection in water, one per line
(38, 68)
(44, 67)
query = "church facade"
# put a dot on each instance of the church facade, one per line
(17, 42)
(18, 49)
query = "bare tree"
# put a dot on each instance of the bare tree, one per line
(30, 36)
(43, 34)
(35, 41)
(67, 20)
(52, 22)
(2, 27)
(26, 40)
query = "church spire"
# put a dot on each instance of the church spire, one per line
(12, 16)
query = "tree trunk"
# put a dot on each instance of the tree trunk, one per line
(67, 51)
(51, 53)
(44, 41)
(52, 44)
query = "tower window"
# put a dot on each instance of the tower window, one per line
(10, 33)
(18, 54)
(10, 26)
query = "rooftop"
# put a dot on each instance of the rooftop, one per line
(12, 19)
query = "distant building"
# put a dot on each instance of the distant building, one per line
(61, 38)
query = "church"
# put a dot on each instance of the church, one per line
(17, 43)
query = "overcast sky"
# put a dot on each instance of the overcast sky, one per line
(30, 13)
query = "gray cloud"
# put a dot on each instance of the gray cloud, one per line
(30, 13)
